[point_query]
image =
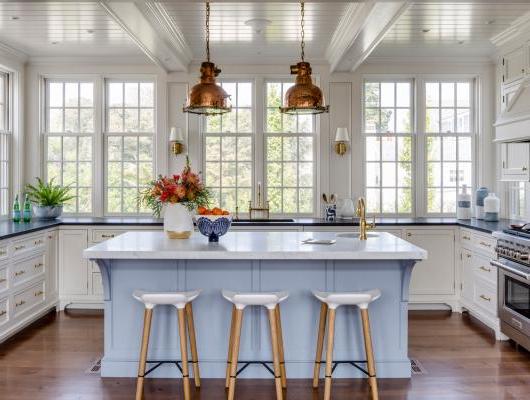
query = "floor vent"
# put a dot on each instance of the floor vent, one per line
(95, 367)
(416, 367)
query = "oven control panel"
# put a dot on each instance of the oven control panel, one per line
(515, 251)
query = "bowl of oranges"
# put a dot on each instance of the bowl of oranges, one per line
(213, 223)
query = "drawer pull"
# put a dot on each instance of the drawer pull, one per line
(39, 293)
(524, 168)
(3, 312)
(485, 244)
(483, 268)
(109, 236)
(2, 280)
(20, 273)
(409, 234)
(485, 298)
(17, 248)
(466, 238)
(468, 255)
(22, 302)
(38, 265)
(3, 252)
(37, 242)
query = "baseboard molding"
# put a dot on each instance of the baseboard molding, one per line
(25, 322)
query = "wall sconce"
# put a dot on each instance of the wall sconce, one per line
(341, 139)
(176, 138)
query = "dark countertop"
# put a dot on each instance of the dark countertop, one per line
(9, 229)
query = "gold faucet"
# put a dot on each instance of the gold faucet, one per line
(363, 225)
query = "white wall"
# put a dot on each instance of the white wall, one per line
(342, 175)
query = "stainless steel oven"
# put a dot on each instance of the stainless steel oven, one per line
(514, 299)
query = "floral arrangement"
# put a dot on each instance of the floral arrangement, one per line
(186, 189)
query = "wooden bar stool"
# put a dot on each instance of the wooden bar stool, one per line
(330, 302)
(272, 301)
(182, 301)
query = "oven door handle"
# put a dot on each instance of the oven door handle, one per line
(510, 269)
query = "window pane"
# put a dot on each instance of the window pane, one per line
(212, 148)
(274, 94)
(448, 94)
(55, 121)
(432, 94)
(274, 120)
(71, 95)
(54, 149)
(373, 149)
(371, 94)
(86, 120)
(244, 94)
(388, 120)
(86, 98)
(71, 120)
(448, 120)
(147, 95)
(387, 94)
(115, 97)
(403, 94)
(432, 122)
(462, 93)
(146, 120)
(131, 95)
(244, 120)
(115, 120)
(55, 94)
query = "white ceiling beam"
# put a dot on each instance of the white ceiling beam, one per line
(360, 30)
(149, 26)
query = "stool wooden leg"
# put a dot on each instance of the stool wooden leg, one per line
(320, 343)
(235, 353)
(184, 353)
(329, 353)
(193, 345)
(230, 345)
(275, 353)
(369, 353)
(148, 315)
(280, 346)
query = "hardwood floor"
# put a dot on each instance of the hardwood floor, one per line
(48, 361)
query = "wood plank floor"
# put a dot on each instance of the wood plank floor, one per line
(48, 361)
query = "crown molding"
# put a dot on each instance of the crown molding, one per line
(517, 28)
(9, 51)
(89, 60)
(452, 60)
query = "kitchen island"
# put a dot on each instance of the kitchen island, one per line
(255, 261)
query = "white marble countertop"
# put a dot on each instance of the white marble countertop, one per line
(255, 246)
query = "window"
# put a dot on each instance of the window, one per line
(289, 155)
(387, 129)
(129, 133)
(5, 145)
(228, 145)
(69, 140)
(517, 191)
(449, 131)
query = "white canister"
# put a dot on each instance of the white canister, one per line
(492, 207)
(463, 204)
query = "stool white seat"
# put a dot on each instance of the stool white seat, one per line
(270, 300)
(359, 299)
(182, 302)
(177, 299)
(330, 302)
(266, 299)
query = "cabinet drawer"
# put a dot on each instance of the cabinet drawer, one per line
(485, 244)
(485, 296)
(3, 278)
(29, 297)
(100, 235)
(4, 311)
(465, 238)
(4, 255)
(29, 244)
(27, 269)
(483, 269)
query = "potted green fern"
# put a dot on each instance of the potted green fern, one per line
(48, 199)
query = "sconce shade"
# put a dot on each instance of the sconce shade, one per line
(342, 135)
(176, 135)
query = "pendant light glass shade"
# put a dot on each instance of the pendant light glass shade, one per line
(304, 97)
(207, 97)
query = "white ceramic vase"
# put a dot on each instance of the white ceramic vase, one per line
(178, 222)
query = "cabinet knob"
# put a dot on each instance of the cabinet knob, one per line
(3, 312)
(22, 302)
(19, 247)
(524, 168)
(409, 234)
(20, 273)
(39, 293)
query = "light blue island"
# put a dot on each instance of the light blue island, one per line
(255, 261)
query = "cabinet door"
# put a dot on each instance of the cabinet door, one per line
(467, 274)
(74, 268)
(515, 159)
(436, 275)
(51, 265)
(514, 65)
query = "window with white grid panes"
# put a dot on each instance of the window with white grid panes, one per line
(449, 142)
(5, 146)
(129, 133)
(69, 139)
(228, 149)
(289, 155)
(388, 131)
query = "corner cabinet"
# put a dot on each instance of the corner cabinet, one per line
(514, 65)
(515, 162)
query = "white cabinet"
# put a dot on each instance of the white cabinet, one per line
(515, 158)
(514, 65)
(52, 261)
(436, 275)
(73, 268)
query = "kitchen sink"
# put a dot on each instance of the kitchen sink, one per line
(355, 235)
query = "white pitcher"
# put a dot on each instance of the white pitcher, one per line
(346, 208)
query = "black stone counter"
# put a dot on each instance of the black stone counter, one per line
(9, 229)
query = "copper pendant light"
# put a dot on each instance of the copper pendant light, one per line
(304, 97)
(207, 97)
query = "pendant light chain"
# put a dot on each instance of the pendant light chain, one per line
(208, 31)
(302, 12)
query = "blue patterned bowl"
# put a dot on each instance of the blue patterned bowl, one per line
(213, 226)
